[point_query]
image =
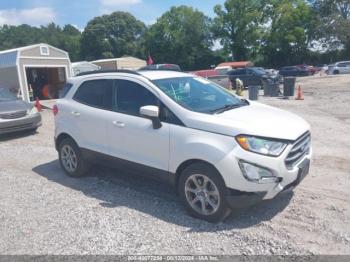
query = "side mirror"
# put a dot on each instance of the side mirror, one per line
(152, 113)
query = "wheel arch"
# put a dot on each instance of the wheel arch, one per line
(61, 137)
(188, 163)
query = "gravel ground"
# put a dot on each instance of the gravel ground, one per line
(42, 211)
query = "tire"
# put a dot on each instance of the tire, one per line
(215, 212)
(71, 159)
(336, 72)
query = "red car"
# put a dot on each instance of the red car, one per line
(206, 73)
(311, 69)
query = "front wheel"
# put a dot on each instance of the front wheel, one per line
(202, 191)
(71, 159)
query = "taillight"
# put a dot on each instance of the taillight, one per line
(55, 110)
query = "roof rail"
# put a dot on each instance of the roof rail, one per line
(109, 71)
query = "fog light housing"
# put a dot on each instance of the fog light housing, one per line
(258, 174)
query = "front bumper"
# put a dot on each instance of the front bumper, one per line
(238, 199)
(28, 122)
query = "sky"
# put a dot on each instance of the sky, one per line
(79, 12)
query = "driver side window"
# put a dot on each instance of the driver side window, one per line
(131, 96)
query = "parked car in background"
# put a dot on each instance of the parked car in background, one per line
(293, 71)
(171, 67)
(16, 115)
(215, 76)
(206, 73)
(311, 69)
(252, 76)
(339, 68)
(220, 151)
(222, 70)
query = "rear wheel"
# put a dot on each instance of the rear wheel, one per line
(71, 159)
(202, 191)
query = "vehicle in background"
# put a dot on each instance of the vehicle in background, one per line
(170, 67)
(16, 115)
(235, 65)
(83, 67)
(274, 75)
(219, 151)
(222, 70)
(206, 73)
(251, 76)
(293, 71)
(339, 68)
(311, 69)
(214, 76)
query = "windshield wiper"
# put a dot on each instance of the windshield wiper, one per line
(226, 108)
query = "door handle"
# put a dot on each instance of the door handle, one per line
(119, 124)
(75, 113)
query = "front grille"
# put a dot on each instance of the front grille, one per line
(13, 115)
(299, 150)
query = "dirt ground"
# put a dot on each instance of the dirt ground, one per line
(44, 212)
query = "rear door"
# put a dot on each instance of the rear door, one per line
(132, 137)
(87, 113)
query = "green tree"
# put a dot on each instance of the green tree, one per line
(238, 26)
(118, 33)
(182, 36)
(289, 32)
(67, 38)
(333, 30)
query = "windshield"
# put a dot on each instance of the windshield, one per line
(6, 95)
(198, 94)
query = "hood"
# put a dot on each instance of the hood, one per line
(256, 119)
(14, 106)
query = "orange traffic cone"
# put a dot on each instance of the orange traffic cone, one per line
(37, 104)
(300, 95)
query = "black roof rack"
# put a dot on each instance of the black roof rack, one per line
(109, 71)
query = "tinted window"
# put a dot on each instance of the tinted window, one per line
(130, 97)
(64, 91)
(96, 93)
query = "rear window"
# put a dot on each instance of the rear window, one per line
(64, 91)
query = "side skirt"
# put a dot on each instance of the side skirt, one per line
(129, 166)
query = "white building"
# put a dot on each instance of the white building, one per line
(33, 67)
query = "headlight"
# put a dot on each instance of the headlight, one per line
(33, 110)
(260, 145)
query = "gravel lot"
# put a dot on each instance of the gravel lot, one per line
(42, 211)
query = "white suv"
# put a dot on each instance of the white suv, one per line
(220, 151)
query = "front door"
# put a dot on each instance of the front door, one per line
(132, 137)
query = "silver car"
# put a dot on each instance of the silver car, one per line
(16, 115)
(339, 68)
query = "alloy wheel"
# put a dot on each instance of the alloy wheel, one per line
(69, 158)
(202, 194)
